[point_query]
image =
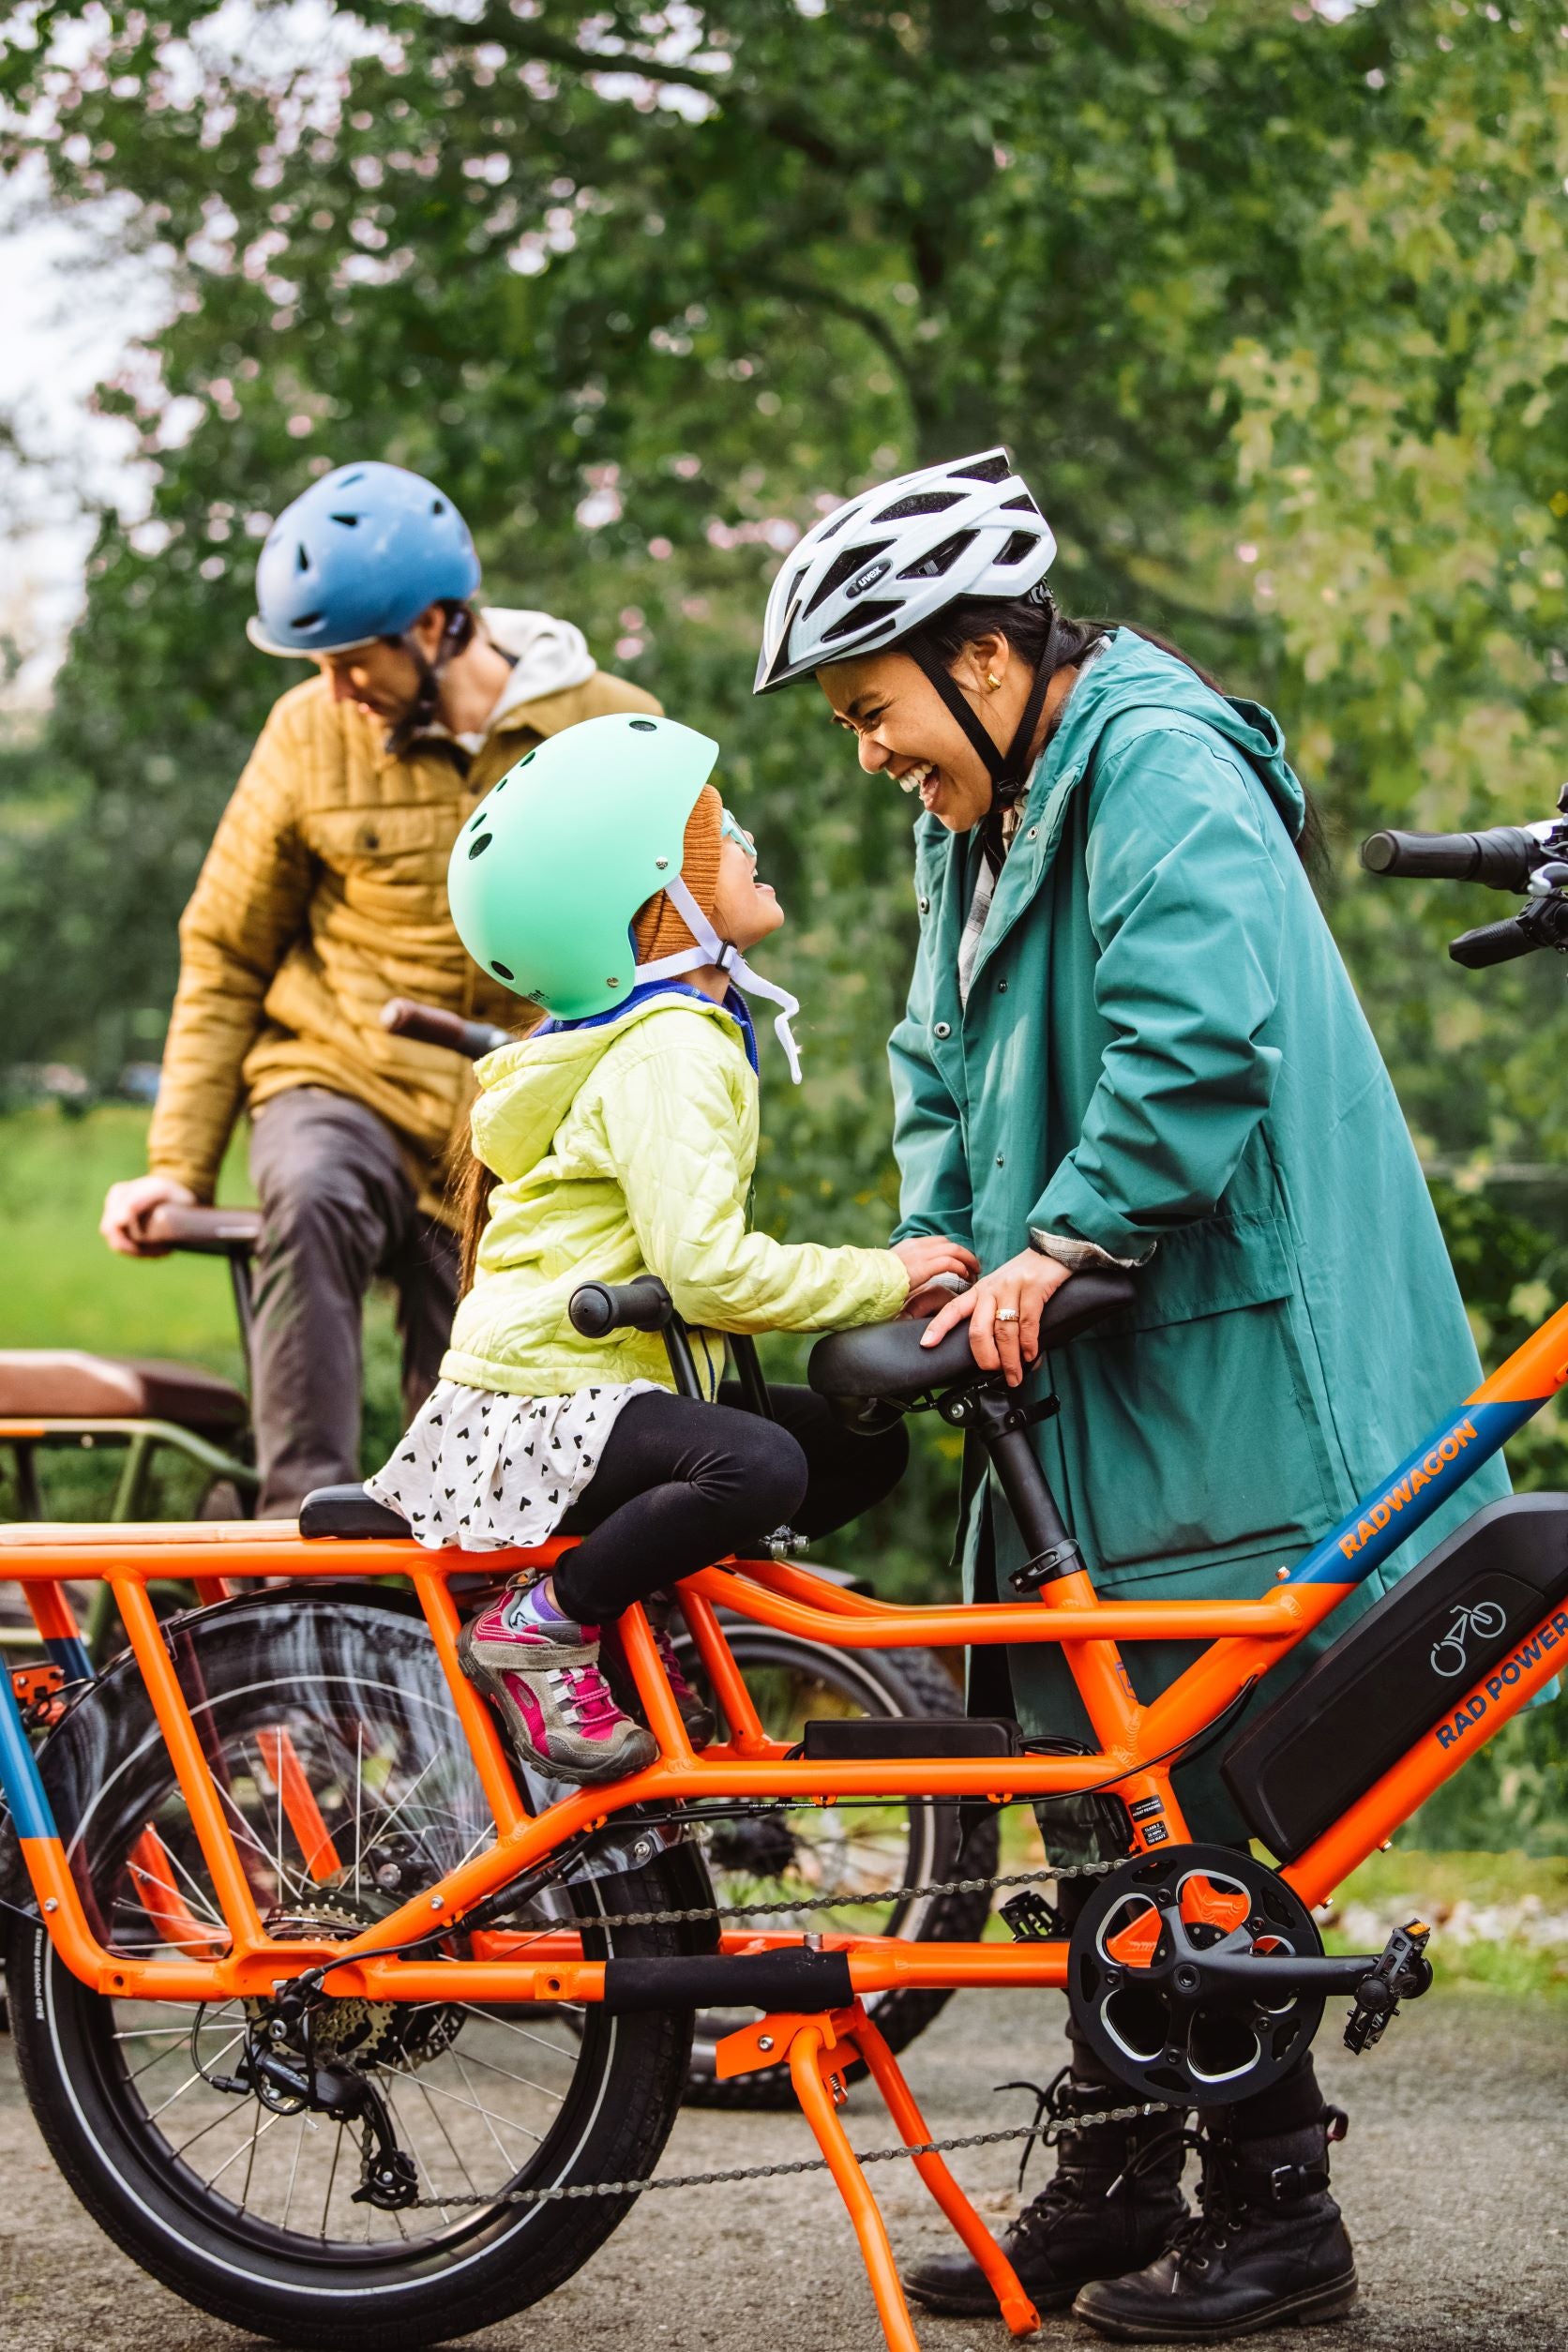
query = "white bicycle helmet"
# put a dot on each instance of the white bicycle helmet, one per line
(875, 568)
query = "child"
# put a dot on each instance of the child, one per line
(604, 878)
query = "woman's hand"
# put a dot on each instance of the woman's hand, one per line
(930, 1259)
(1003, 1311)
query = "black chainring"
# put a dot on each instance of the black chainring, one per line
(1140, 1993)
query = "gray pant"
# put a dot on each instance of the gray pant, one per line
(340, 1209)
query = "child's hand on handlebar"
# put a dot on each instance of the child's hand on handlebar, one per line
(1003, 1311)
(128, 1206)
(928, 1259)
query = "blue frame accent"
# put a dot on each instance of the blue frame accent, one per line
(1379, 1523)
(20, 1782)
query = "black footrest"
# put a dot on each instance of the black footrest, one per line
(904, 1738)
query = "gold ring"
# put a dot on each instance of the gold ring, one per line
(1006, 1315)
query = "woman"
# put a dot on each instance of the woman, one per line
(1129, 1038)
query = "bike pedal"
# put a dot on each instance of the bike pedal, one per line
(1403, 1973)
(1032, 1920)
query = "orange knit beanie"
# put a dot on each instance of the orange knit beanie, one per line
(658, 929)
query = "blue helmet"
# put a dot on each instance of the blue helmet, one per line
(359, 555)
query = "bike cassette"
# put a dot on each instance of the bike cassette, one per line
(1179, 1975)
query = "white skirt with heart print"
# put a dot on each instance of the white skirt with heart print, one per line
(479, 1470)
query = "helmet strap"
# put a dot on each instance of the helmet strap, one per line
(1008, 770)
(711, 950)
(456, 633)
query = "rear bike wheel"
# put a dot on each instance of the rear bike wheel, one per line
(349, 1787)
(824, 1861)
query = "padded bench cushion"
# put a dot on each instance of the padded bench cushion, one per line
(348, 1511)
(68, 1384)
(886, 1360)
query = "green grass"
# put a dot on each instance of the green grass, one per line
(60, 1286)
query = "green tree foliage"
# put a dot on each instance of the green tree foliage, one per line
(1403, 442)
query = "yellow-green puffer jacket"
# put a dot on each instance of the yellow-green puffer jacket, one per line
(626, 1150)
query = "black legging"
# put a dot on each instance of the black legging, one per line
(680, 1483)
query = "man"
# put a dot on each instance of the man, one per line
(322, 895)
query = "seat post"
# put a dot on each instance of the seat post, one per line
(997, 1420)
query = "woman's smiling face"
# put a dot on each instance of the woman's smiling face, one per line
(904, 726)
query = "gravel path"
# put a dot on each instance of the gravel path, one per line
(1452, 2181)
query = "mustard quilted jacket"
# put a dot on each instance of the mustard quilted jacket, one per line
(323, 893)
(627, 1149)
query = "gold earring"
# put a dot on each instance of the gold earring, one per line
(992, 680)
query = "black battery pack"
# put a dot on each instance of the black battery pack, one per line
(1401, 1670)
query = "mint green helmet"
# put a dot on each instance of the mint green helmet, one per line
(549, 871)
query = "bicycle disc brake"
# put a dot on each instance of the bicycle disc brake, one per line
(1145, 1993)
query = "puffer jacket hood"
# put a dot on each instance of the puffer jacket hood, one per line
(1132, 675)
(526, 1089)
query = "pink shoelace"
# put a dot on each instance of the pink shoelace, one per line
(591, 1701)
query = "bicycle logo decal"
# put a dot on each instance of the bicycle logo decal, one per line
(1485, 1619)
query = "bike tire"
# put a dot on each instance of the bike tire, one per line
(621, 2076)
(876, 1682)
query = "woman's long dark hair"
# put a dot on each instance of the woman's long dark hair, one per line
(1032, 625)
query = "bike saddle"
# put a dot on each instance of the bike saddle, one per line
(348, 1511)
(887, 1362)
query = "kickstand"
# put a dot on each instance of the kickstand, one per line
(819, 2049)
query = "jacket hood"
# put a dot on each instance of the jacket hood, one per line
(526, 1089)
(550, 654)
(1132, 674)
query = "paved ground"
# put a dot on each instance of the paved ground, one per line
(1452, 2181)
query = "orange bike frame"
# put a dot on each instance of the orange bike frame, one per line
(1244, 1639)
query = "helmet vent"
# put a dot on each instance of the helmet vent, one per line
(302, 557)
(844, 567)
(1022, 543)
(1022, 504)
(925, 503)
(941, 559)
(829, 529)
(307, 621)
(438, 505)
(994, 468)
(526, 757)
(867, 620)
(356, 476)
(477, 849)
(641, 726)
(502, 972)
(350, 522)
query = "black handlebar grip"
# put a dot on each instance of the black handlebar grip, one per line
(1493, 944)
(1504, 859)
(433, 1025)
(598, 1307)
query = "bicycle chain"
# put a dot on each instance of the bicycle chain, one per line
(771, 2172)
(874, 1894)
(1041, 2127)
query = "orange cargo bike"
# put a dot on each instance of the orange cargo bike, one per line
(356, 2036)
(350, 2034)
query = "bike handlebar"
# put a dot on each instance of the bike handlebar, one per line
(1504, 858)
(208, 1232)
(432, 1025)
(597, 1308)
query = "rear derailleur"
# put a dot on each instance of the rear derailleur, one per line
(281, 2068)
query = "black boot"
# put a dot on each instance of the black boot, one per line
(1114, 2202)
(1268, 2248)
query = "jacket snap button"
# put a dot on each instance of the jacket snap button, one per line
(941, 1028)
(1001, 988)
(1031, 834)
(1000, 1161)
(924, 904)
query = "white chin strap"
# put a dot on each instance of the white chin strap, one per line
(711, 949)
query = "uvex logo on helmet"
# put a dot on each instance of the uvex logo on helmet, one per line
(867, 578)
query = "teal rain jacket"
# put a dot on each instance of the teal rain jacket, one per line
(1162, 1048)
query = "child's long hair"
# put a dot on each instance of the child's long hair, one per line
(469, 1189)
